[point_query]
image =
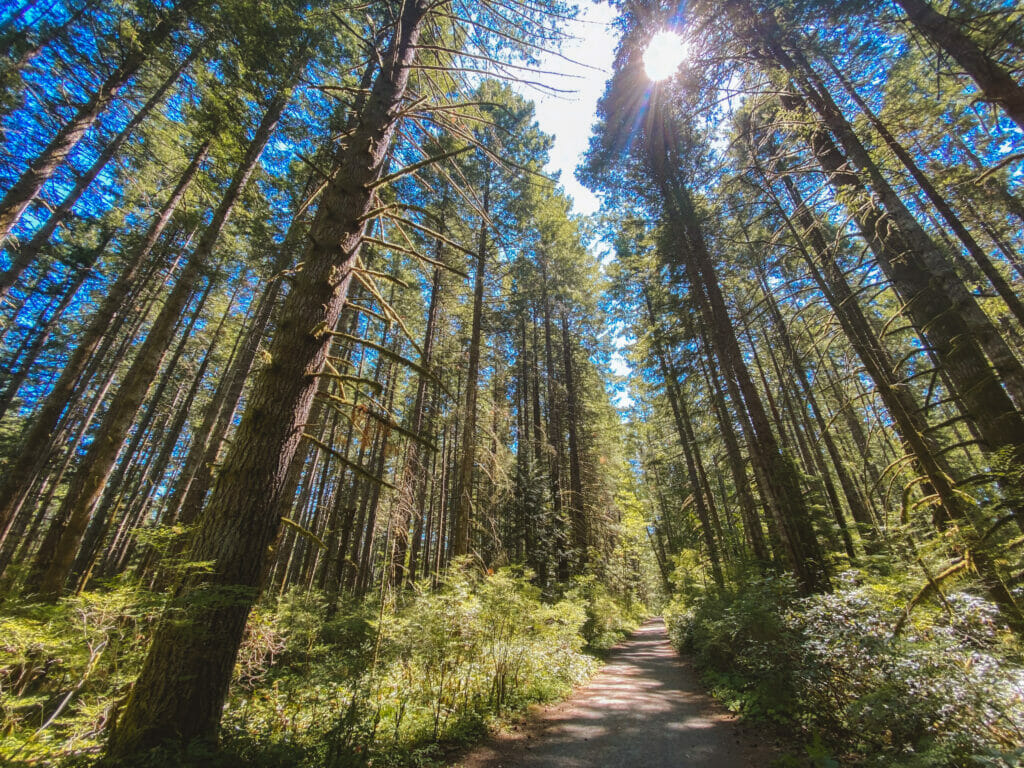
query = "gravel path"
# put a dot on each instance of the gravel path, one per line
(645, 708)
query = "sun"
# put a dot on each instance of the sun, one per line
(664, 54)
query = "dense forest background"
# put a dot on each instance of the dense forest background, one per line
(310, 447)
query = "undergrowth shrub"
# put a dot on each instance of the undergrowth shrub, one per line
(63, 667)
(948, 691)
(438, 667)
(339, 686)
(743, 644)
(608, 619)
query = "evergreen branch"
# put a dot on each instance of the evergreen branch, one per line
(427, 161)
(304, 532)
(416, 254)
(338, 455)
(933, 585)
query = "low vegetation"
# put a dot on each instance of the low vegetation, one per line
(395, 684)
(946, 690)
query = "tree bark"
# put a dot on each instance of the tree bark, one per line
(25, 255)
(26, 359)
(907, 414)
(100, 524)
(464, 498)
(935, 298)
(412, 488)
(181, 688)
(87, 485)
(751, 522)
(855, 501)
(685, 437)
(782, 492)
(577, 513)
(995, 277)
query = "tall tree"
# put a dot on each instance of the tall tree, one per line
(42, 167)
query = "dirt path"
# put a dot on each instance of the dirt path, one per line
(644, 709)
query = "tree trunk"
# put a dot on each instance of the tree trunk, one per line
(577, 514)
(751, 522)
(685, 436)
(99, 525)
(88, 483)
(181, 688)
(995, 277)
(918, 269)
(934, 297)
(190, 491)
(995, 83)
(907, 415)
(781, 490)
(26, 359)
(412, 488)
(464, 498)
(555, 432)
(854, 500)
(25, 255)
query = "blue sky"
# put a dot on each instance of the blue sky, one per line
(569, 117)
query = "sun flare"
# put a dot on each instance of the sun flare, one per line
(664, 54)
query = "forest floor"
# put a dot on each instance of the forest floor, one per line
(646, 707)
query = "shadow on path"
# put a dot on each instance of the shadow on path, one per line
(644, 708)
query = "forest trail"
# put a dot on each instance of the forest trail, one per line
(644, 708)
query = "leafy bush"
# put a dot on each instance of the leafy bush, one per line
(943, 693)
(743, 643)
(389, 685)
(314, 685)
(608, 619)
